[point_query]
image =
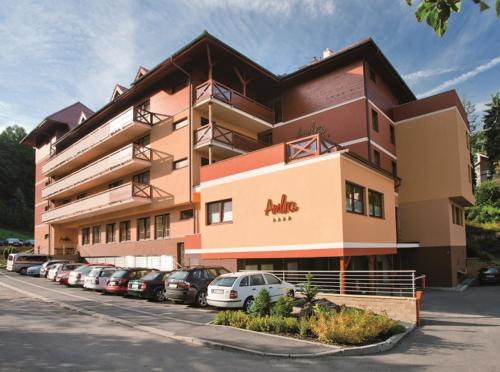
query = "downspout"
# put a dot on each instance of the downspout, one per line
(190, 126)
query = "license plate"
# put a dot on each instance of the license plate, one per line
(218, 291)
(135, 286)
(172, 285)
(490, 276)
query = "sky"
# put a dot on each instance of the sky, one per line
(54, 53)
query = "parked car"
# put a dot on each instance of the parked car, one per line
(20, 263)
(55, 270)
(15, 242)
(189, 285)
(63, 275)
(489, 274)
(118, 283)
(238, 290)
(34, 270)
(77, 277)
(98, 278)
(151, 286)
(29, 243)
(45, 267)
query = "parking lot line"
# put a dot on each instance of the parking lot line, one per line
(107, 302)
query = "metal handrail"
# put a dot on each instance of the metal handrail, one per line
(396, 283)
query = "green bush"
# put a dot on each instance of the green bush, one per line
(261, 305)
(283, 307)
(309, 291)
(236, 319)
(304, 328)
(350, 326)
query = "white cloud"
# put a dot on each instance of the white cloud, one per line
(424, 74)
(274, 7)
(464, 77)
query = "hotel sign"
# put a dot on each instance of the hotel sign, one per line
(284, 207)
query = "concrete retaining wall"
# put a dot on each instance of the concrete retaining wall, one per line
(399, 308)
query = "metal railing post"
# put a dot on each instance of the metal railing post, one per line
(413, 283)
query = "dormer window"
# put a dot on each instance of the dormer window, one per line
(140, 73)
(118, 91)
(82, 118)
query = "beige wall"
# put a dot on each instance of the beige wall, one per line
(433, 161)
(318, 187)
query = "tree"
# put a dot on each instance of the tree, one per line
(437, 12)
(487, 206)
(491, 126)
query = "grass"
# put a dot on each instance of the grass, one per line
(6, 233)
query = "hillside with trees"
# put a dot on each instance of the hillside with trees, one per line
(17, 181)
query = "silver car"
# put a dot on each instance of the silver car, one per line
(98, 278)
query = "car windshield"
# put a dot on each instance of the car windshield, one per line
(224, 281)
(94, 272)
(119, 274)
(178, 275)
(152, 276)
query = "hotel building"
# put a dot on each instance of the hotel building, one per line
(209, 158)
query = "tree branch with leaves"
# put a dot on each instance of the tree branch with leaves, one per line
(437, 12)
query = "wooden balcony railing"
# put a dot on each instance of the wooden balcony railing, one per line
(98, 168)
(123, 196)
(213, 89)
(309, 146)
(98, 136)
(217, 133)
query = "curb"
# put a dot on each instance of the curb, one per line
(351, 351)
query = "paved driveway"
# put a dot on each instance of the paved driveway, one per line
(460, 332)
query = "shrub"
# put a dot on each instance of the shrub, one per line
(231, 318)
(273, 324)
(309, 291)
(351, 326)
(283, 307)
(261, 305)
(304, 328)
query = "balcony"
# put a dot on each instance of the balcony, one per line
(225, 142)
(125, 196)
(233, 106)
(118, 131)
(127, 160)
(305, 147)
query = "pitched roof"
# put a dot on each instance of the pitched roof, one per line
(68, 117)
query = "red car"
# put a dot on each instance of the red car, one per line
(63, 275)
(118, 283)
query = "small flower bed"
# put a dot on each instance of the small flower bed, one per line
(340, 325)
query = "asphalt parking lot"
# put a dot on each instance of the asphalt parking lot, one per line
(460, 331)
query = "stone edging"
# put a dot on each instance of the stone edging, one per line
(351, 351)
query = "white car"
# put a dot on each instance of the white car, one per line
(77, 277)
(53, 271)
(98, 278)
(237, 290)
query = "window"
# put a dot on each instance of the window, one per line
(46, 236)
(204, 161)
(457, 215)
(375, 204)
(245, 281)
(96, 234)
(373, 76)
(187, 214)
(162, 226)
(182, 163)
(65, 201)
(125, 231)
(219, 212)
(204, 121)
(142, 178)
(271, 279)
(180, 124)
(394, 168)
(355, 200)
(257, 280)
(143, 230)
(86, 236)
(110, 233)
(146, 105)
(392, 134)
(376, 157)
(375, 120)
(112, 185)
(144, 141)
(81, 196)
(266, 137)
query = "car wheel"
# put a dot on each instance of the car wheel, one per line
(291, 293)
(201, 299)
(247, 305)
(160, 295)
(23, 271)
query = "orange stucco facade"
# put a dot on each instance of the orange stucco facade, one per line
(144, 175)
